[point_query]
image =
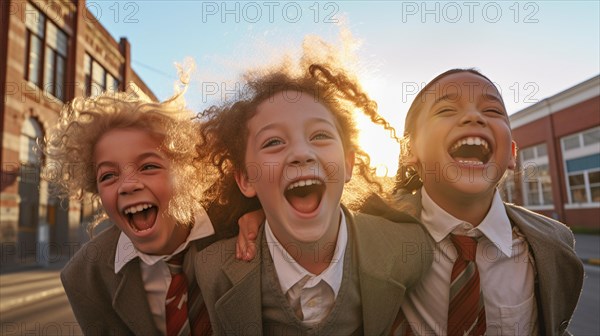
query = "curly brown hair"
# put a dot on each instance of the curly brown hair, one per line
(69, 146)
(224, 131)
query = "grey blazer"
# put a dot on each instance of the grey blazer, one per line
(391, 257)
(105, 303)
(559, 271)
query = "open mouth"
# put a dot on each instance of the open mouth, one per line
(471, 151)
(141, 217)
(305, 195)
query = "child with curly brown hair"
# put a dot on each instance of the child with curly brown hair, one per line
(135, 156)
(290, 142)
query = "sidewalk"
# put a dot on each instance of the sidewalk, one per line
(588, 248)
(24, 288)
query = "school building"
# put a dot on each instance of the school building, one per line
(50, 53)
(559, 156)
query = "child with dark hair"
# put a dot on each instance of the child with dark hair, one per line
(521, 276)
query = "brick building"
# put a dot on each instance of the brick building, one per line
(559, 156)
(50, 53)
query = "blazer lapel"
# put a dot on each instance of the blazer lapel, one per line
(381, 301)
(130, 301)
(243, 318)
(381, 294)
(552, 257)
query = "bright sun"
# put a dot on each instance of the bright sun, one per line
(374, 139)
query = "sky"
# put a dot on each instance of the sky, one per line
(531, 49)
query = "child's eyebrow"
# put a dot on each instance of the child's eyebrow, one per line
(451, 98)
(444, 98)
(139, 158)
(316, 120)
(489, 96)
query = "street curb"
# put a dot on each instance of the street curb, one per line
(591, 261)
(29, 299)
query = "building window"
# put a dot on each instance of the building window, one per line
(585, 187)
(581, 140)
(507, 192)
(584, 179)
(97, 78)
(46, 56)
(582, 166)
(537, 185)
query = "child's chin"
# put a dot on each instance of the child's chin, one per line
(474, 187)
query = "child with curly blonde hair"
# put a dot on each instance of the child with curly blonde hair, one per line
(136, 157)
(290, 143)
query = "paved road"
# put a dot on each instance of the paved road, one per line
(586, 320)
(34, 303)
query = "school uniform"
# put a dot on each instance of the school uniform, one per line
(382, 261)
(542, 279)
(115, 290)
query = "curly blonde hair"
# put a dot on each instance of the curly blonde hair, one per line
(69, 146)
(224, 131)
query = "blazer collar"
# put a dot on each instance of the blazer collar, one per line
(129, 300)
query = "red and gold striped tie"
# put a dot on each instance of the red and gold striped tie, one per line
(466, 312)
(176, 304)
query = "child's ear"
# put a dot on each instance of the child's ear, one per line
(349, 162)
(512, 164)
(246, 187)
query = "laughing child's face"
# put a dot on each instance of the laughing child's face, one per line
(135, 186)
(297, 166)
(462, 142)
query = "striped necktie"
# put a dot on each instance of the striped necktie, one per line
(176, 304)
(466, 312)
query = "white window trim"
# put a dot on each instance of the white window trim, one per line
(589, 205)
(540, 207)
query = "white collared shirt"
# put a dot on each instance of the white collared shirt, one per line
(318, 293)
(505, 267)
(155, 272)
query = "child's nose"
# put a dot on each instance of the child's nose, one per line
(473, 116)
(302, 154)
(130, 185)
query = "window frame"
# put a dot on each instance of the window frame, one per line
(56, 86)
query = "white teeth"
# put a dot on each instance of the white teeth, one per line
(470, 141)
(472, 163)
(137, 208)
(303, 183)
